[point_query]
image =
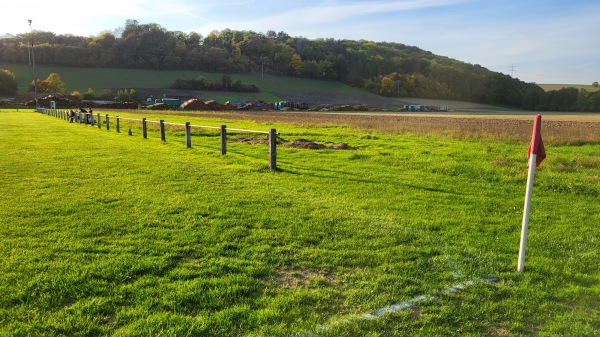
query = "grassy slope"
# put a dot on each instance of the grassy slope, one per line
(114, 235)
(272, 87)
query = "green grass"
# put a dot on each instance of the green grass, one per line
(108, 234)
(80, 79)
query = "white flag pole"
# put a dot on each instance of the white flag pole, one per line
(527, 207)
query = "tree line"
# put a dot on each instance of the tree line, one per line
(226, 83)
(388, 69)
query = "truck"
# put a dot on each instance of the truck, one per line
(176, 102)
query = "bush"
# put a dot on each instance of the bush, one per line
(106, 95)
(76, 94)
(8, 83)
(89, 94)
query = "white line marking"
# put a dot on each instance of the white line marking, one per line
(394, 308)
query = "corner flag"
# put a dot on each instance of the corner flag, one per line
(536, 146)
(535, 155)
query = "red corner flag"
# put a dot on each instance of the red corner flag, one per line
(537, 146)
(536, 153)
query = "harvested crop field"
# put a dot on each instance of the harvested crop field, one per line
(557, 128)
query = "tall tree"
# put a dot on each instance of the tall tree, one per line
(386, 86)
(296, 64)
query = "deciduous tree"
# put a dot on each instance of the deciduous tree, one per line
(296, 64)
(386, 86)
(56, 84)
(89, 94)
(8, 83)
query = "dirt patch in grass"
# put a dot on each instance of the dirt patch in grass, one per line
(298, 144)
(301, 277)
(498, 331)
(305, 144)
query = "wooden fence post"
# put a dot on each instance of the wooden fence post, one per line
(273, 149)
(118, 125)
(99, 122)
(223, 139)
(93, 119)
(144, 128)
(162, 130)
(107, 123)
(188, 135)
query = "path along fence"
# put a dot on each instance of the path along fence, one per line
(90, 118)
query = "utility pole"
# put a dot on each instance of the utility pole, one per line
(33, 66)
(512, 70)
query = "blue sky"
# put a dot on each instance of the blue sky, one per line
(546, 41)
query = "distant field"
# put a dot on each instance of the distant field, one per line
(550, 87)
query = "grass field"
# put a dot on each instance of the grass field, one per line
(271, 87)
(411, 233)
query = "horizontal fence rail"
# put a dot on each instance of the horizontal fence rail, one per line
(90, 118)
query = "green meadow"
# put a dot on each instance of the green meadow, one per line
(80, 79)
(109, 234)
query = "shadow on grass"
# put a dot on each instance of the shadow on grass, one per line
(350, 177)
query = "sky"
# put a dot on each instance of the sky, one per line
(541, 41)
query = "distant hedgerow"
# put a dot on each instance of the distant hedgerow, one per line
(224, 84)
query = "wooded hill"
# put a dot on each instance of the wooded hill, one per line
(388, 69)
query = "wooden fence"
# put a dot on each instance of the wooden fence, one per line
(90, 118)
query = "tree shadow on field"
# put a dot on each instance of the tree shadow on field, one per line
(336, 175)
(339, 175)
